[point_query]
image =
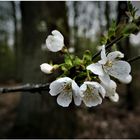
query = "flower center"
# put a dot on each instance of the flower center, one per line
(89, 89)
(68, 87)
(109, 63)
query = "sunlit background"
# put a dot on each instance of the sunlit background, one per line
(24, 27)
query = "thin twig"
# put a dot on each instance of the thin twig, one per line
(133, 59)
(26, 88)
(108, 46)
(116, 40)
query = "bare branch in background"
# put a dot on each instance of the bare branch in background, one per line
(108, 45)
(26, 88)
(133, 59)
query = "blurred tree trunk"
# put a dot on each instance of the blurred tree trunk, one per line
(75, 26)
(124, 47)
(16, 42)
(15, 26)
(56, 18)
(99, 3)
(107, 14)
(39, 115)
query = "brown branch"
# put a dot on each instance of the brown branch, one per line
(26, 88)
(133, 59)
(116, 40)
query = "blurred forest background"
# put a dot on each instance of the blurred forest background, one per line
(24, 27)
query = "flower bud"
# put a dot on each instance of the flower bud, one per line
(55, 42)
(46, 68)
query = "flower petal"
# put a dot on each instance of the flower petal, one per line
(111, 90)
(95, 68)
(64, 99)
(49, 42)
(83, 88)
(64, 80)
(91, 96)
(114, 98)
(58, 35)
(119, 69)
(92, 84)
(126, 80)
(113, 55)
(77, 99)
(105, 78)
(103, 56)
(55, 42)
(76, 93)
(102, 91)
(91, 99)
(57, 86)
(97, 87)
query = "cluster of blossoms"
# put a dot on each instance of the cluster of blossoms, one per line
(94, 88)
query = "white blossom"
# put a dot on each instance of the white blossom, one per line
(55, 42)
(92, 93)
(46, 68)
(111, 65)
(111, 90)
(66, 88)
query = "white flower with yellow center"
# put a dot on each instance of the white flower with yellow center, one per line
(92, 93)
(46, 68)
(55, 42)
(66, 88)
(111, 90)
(111, 65)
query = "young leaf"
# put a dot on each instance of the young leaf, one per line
(87, 57)
(130, 28)
(112, 29)
(68, 61)
(77, 61)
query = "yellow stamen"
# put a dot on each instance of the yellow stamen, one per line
(109, 64)
(67, 87)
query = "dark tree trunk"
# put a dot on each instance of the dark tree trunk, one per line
(16, 45)
(39, 115)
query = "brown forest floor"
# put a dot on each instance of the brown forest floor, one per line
(109, 121)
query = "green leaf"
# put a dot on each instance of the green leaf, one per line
(112, 29)
(68, 61)
(130, 6)
(63, 67)
(87, 57)
(77, 61)
(130, 28)
(104, 40)
(132, 9)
